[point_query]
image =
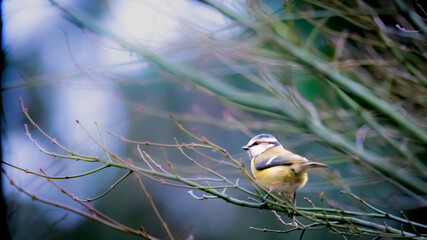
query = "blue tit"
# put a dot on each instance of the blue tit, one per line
(276, 168)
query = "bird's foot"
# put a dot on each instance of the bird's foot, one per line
(291, 214)
(263, 205)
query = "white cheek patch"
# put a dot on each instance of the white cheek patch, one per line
(258, 149)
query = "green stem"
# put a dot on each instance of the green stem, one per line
(332, 73)
(365, 223)
(400, 176)
(417, 165)
(109, 189)
(59, 177)
(354, 88)
(415, 18)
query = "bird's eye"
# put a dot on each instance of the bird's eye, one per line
(255, 143)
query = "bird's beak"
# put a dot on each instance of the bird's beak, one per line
(245, 147)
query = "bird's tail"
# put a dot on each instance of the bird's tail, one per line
(314, 165)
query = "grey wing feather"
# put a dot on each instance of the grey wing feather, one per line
(278, 160)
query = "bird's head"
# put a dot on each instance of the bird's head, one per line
(260, 143)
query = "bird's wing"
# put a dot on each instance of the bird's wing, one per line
(285, 159)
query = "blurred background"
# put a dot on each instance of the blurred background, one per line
(226, 72)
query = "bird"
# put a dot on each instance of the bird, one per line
(276, 168)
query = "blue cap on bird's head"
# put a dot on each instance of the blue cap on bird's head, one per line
(261, 138)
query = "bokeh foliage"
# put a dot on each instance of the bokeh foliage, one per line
(346, 78)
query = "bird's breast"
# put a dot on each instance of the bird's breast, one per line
(283, 179)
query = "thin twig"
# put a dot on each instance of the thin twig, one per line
(153, 205)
